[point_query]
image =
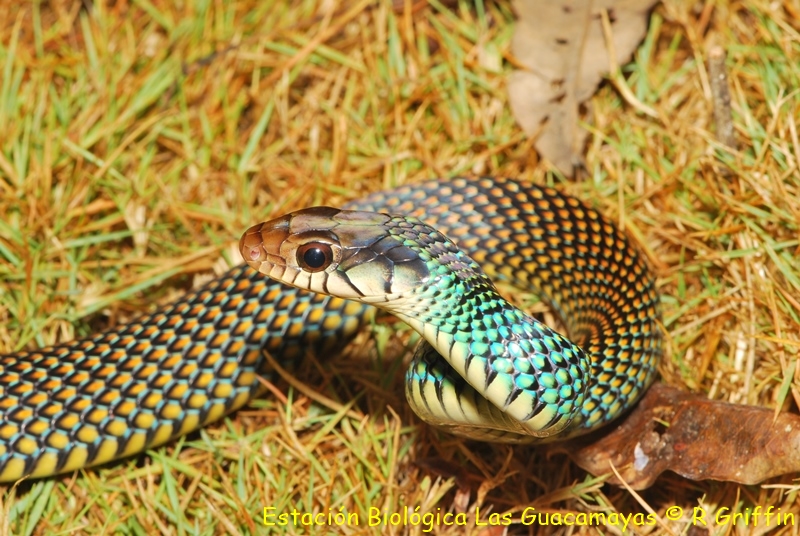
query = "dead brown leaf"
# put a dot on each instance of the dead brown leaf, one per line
(563, 47)
(694, 437)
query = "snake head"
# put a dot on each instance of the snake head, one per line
(345, 253)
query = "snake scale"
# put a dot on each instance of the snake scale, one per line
(120, 392)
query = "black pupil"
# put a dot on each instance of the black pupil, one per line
(314, 258)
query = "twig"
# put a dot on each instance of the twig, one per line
(615, 72)
(721, 96)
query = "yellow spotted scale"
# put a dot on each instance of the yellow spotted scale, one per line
(137, 386)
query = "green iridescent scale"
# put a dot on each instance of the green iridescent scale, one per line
(553, 244)
(522, 366)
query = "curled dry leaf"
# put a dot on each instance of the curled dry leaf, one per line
(562, 45)
(694, 437)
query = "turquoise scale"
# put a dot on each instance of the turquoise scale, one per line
(550, 243)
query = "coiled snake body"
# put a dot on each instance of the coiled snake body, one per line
(500, 375)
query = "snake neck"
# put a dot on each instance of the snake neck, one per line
(520, 365)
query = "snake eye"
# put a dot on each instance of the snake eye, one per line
(314, 256)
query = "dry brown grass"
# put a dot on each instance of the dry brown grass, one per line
(138, 139)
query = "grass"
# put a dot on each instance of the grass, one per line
(138, 139)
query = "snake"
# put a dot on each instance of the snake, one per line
(311, 279)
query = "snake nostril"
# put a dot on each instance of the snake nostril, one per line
(255, 253)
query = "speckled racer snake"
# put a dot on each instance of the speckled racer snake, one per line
(498, 373)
